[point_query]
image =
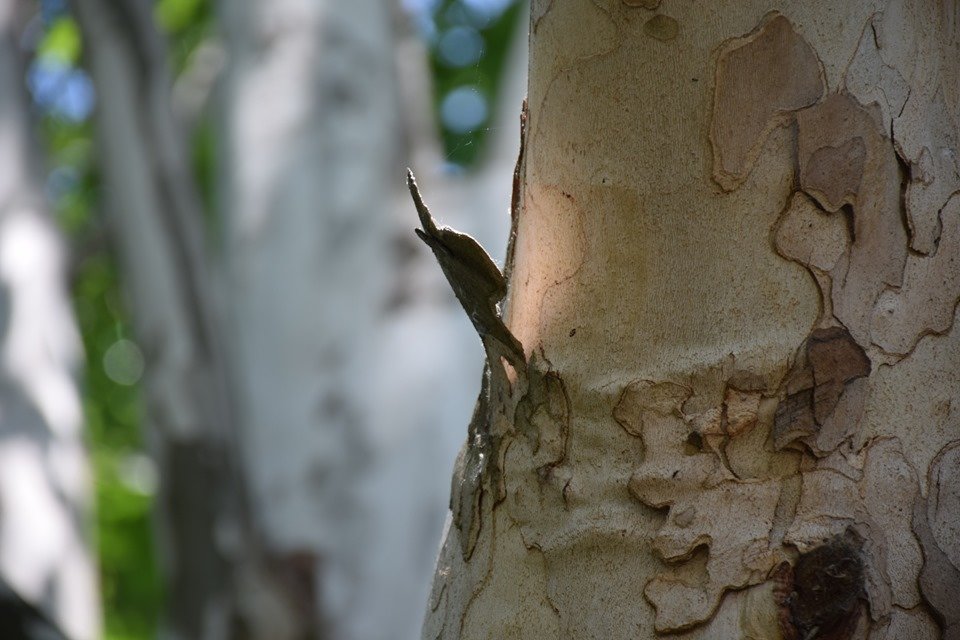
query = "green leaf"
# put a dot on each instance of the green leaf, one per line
(61, 42)
(174, 15)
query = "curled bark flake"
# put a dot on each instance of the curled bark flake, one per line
(479, 286)
(716, 535)
(475, 279)
(754, 96)
(516, 192)
(832, 360)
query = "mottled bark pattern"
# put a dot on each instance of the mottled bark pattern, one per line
(735, 255)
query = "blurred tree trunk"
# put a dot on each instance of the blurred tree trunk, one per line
(45, 491)
(156, 223)
(352, 364)
(340, 465)
(303, 476)
(310, 144)
(735, 277)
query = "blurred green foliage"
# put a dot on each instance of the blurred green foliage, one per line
(465, 149)
(129, 575)
(178, 15)
(61, 41)
(131, 581)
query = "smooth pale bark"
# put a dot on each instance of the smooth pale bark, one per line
(310, 145)
(45, 492)
(331, 312)
(735, 278)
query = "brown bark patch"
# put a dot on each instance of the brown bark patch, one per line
(834, 173)
(832, 360)
(830, 134)
(760, 80)
(661, 27)
(835, 359)
(820, 596)
(794, 418)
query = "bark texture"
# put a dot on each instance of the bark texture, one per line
(45, 492)
(734, 275)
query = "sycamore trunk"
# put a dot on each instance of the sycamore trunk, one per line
(734, 275)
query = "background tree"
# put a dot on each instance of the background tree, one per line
(735, 278)
(269, 547)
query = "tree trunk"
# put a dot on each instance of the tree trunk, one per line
(343, 464)
(735, 280)
(156, 224)
(327, 474)
(309, 142)
(45, 492)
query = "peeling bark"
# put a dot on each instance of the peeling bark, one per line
(754, 96)
(726, 255)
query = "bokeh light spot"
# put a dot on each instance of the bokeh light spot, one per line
(463, 109)
(123, 362)
(460, 46)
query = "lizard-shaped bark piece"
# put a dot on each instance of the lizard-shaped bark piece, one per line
(474, 277)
